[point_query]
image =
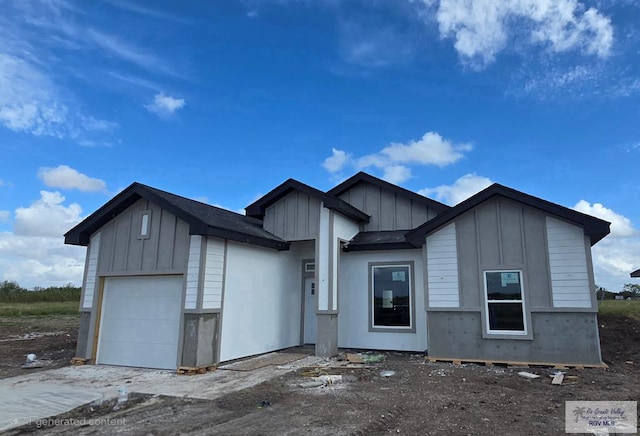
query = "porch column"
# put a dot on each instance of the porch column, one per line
(326, 279)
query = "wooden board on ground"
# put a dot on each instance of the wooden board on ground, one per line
(264, 360)
(193, 370)
(557, 379)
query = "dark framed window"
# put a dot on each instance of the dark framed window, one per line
(391, 296)
(505, 311)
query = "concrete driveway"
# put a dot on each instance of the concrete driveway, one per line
(31, 397)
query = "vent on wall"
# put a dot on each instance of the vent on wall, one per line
(310, 267)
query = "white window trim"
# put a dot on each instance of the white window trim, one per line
(373, 327)
(524, 332)
(141, 223)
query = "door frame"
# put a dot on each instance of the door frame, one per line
(305, 275)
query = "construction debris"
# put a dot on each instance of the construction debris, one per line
(32, 362)
(364, 358)
(558, 377)
(528, 375)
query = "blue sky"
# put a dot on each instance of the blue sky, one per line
(222, 101)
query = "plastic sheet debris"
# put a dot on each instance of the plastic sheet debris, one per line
(329, 379)
(32, 362)
(387, 373)
(528, 375)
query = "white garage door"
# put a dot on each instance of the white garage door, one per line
(140, 321)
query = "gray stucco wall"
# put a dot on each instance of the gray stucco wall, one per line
(200, 339)
(502, 234)
(295, 217)
(388, 210)
(557, 338)
(83, 336)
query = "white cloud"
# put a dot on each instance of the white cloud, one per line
(482, 29)
(34, 254)
(164, 105)
(460, 190)
(27, 100)
(395, 159)
(32, 100)
(621, 226)
(127, 52)
(65, 177)
(431, 149)
(616, 255)
(396, 173)
(336, 161)
(47, 216)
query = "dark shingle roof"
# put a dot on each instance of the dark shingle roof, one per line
(379, 240)
(595, 228)
(636, 273)
(258, 208)
(203, 219)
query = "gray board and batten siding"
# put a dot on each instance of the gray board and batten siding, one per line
(389, 207)
(503, 234)
(123, 252)
(295, 217)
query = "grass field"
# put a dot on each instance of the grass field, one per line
(620, 307)
(39, 308)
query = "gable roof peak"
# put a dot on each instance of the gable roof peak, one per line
(595, 228)
(362, 177)
(258, 208)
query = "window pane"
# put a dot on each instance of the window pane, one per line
(391, 296)
(506, 316)
(503, 285)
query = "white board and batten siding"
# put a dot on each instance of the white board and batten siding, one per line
(442, 268)
(568, 265)
(213, 274)
(193, 272)
(92, 272)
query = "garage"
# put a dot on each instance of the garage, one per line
(140, 321)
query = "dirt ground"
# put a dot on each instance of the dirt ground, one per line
(51, 338)
(418, 399)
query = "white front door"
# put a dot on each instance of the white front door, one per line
(309, 310)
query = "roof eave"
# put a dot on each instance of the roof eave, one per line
(379, 246)
(593, 227)
(243, 237)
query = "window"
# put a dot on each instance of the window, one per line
(391, 297)
(145, 224)
(505, 302)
